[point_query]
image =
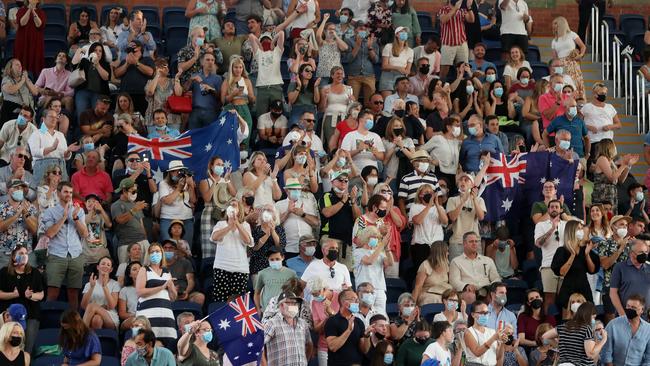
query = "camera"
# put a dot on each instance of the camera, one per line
(185, 173)
(510, 341)
(130, 49)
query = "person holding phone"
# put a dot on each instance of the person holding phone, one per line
(465, 211)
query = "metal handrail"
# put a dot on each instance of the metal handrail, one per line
(594, 34)
(641, 105)
(604, 48)
(616, 66)
(628, 92)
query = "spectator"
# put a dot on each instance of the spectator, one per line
(483, 345)
(127, 302)
(267, 51)
(403, 15)
(112, 27)
(135, 70)
(177, 199)
(29, 46)
(14, 132)
(286, 335)
(464, 211)
(307, 248)
(600, 118)
(402, 86)
(524, 84)
(330, 47)
(432, 279)
(497, 108)
(451, 313)
(237, 91)
(612, 248)
(93, 180)
(453, 36)
(465, 274)
(63, 122)
(630, 277)
(182, 274)
(267, 281)
(569, 49)
(347, 340)
(303, 94)
(128, 216)
(97, 221)
(622, 344)
(371, 257)
(204, 14)
(100, 302)
(53, 83)
(156, 291)
(16, 170)
(64, 225)
(17, 90)
(12, 336)
(503, 252)
(335, 275)
(410, 351)
(497, 312)
(299, 216)
(443, 333)
(428, 218)
(47, 196)
(397, 59)
(160, 129)
(635, 206)
(344, 127)
(480, 64)
(134, 251)
(549, 236)
(573, 261)
(95, 88)
(402, 327)
(515, 21)
(551, 104)
(544, 353)
(478, 143)
(263, 181)
(183, 321)
(203, 83)
(157, 91)
(190, 57)
(399, 147)
(444, 150)
(22, 285)
(272, 126)
(137, 32)
(216, 190)
(79, 31)
(200, 332)
(410, 183)
(573, 124)
(147, 353)
(577, 341)
(302, 167)
(365, 147)
(361, 58)
(516, 61)
(419, 82)
(78, 343)
(606, 173)
(335, 101)
(324, 305)
(531, 114)
(231, 268)
(293, 285)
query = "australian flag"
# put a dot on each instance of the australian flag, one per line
(548, 166)
(194, 147)
(239, 330)
(503, 180)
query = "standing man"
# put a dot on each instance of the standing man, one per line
(346, 336)
(514, 19)
(570, 121)
(134, 71)
(287, 340)
(137, 32)
(298, 215)
(549, 235)
(127, 214)
(632, 276)
(64, 224)
(205, 86)
(335, 275)
(18, 221)
(628, 336)
(92, 180)
(477, 144)
(452, 34)
(362, 56)
(497, 311)
(464, 211)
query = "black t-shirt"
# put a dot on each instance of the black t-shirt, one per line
(134, 81)
(435, 121)
(413, 128)
(349, 352)
(179, 271)
(341, 223)
(34, 280)
(380, 125)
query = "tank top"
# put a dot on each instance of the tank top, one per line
(502, 261)
(19, 361)
(337, 104)
(307, 17)
(489, 358)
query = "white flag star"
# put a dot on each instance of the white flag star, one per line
(224, 324)
(250, 344)
(556, 181)
(543, 180)
(227, 164)
(208, 147)
(157, 175)
(222, 120)
(506, 204)
(229, 141)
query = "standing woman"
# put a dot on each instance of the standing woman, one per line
(380, 21)
(237, 91)
(205, 14)
(428, 217)
(193, 345)
(403, 15)
(444, 151)
(331, 47)
(12, 342)
(600, 118)
(334, 102)
(157, 91)
(232, 236)
(156, 291)
(100, 298)
(371, 258)
(349, 124)
(216, 190)
(98, 74)
(393, 223)
(22, 284)
(267, 234)
(303, 93)
(432, 279)
(79, 32)
(531, 121)
(177, 199)
(396, 61)
(573, 261)
(262, 180)
(607, 175)
(399, 149)
(564, 46)
(79, 345)
(302, 168)
(46, 193)
(17, 90)
(29, 46)
(483, 345)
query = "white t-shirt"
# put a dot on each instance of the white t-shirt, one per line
(511, 17)
(295, 226)
(564, 45)
(430, 230)
(405, 57)
(598, 117)
(552, 243)
(265, 121)
(436, 352)
(363, 158)
(269, 67)
(317, 268)
(231, 253)
(180, 209)
(316, 142)
(373, 273)
(512, 72)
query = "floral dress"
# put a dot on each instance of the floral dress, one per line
(380, 15)
(258, 259)
(208, 20)
(605, 190)
(159, 101)
(328, 57)
(187, 52)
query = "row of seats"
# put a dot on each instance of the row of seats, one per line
(630, 31)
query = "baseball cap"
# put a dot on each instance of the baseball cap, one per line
(18, 314)
(276, 105)
(125, 183)
(288, 295)
(307, 238)
(17, 182)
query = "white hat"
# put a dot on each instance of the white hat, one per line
(400, 28)
(175, 165)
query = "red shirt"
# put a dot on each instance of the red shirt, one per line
(547, 101)
(344, 129)
(99, 184)
(452, 33)
(528, 325)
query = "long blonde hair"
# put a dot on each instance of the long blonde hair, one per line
(7, 72)
(398, 45)
(571, 242)
(438, 256)
(5, 334)
(562, 27)
(234, 61)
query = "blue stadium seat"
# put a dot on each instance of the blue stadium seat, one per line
(500, 67)
(183, 306)
(533, 54)
(155, 30)
(56, 30)
(75, 10)
(174, 16)
(428, 34)
(428, 311)
(47, 361)
(637, 42)
(332, 12)
(151, 13)
(515, 308)
(539, 70)
(51, 313)
(110, 361)
(392, 310)
(9, 48)
(516, 291)
(109, 341)
(394, 288)
(107, 9)
(425, 22)
(493, 54)
(631, 23)
(176, 39)
(55, 14)
(46, 337)
(610, 20)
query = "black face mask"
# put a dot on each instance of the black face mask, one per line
(421, 340)
(601, 97)
(424, 69)
(641, 258)
(399, 114)
(15, 341)
(631, 314)
(397, 131)
(332, 255)
(249, 200)
(381, 213)
(536, 304)
(379, 336)
(427, 197)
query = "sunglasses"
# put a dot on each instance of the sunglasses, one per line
(557, 235)
(386, 191)
(468, 209)
(134, 160)
(133, 191)
(22, 156)
(343, 180)
(307, 70)
(309, 120)
(378, 102)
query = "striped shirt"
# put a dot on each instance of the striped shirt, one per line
(452, 33)
(572, 345)
(285, 344)
(410, 183)
(158, 307)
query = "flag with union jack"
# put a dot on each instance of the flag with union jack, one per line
(503, 178)
(194, 147)
(239, 330)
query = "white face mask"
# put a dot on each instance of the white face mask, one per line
(292, 310)
(423, 167)
(267, 216)
(455, 131)
(372, 180)
(230, 211)
(310, 250)
(133, 196)
(580, 234)
(575, 306)
(621, 232)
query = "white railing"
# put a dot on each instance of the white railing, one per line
(628, 84)
(595, 34)
(616, 66)
(604, 49)
(642, 104)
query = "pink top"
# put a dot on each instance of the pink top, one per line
(318, 315)
(99, 184)
(547, 101)
(55, 80)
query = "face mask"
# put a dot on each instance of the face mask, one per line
(472, 131)
(301, 159)
(501, 299)
(558, 87)
(524, 81)
(469, 89)
(490, 78)
(200, 41)
(309, 251)
(381, 213)
(343, 19)
(502, 245)
(249, 200)
(629, 313)
(372, 180)
(292, 311)
(369, 124)
(332, 255)
(601, 97)
(546, 342)
(354, 307)
(338, 190)
(573, 111)
(175, 178)
(403, 36)
(498, 92)
(217, 170)
(362, 34)
(427, 197)
(641, 258)
(575, 306)
(275, 264)
(21, 121)
(319, 298)
(20, 259)
(89, 146)
(593, 323)
(452, 305)
(155, 258)
(536, 304)
(294, 194)
(341, 162)
(142, 351)
(207, 337)
(230, 212)
(580, 234)
(423, 167)
(621, 232)
(424, 69)
(421, 340)
(397, 131)
(388, 358)
(18, 195)
(565, 144)
(483, 320)
(169, 255)
(559, 70)
(15, 341)
(455, 131)
(267, 216)
(133, 197)
(136, 330)
(639, 196)
(354, 113)
(380, 336)
(43, 128)
(407, 311)
(373, 242)
(368, 299)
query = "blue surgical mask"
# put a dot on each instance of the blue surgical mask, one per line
(207, 337)
(169, 255)
(368, 299)
(301, 159)
(559, 70)
(373, 242)
(558, 87)
(89, 147)
(369, 124)
(546, 342)
(403, 36)
(294, 194)
(135, 330)
(21, 121)
(319, 298)
(565, 144)
(572, 112)
(343, 19)
(483, 320)
(491, 78)
(275, 264)
(354, 307)
(452, 305)
(524, 81)
(593, 323)
(200, 41)
(363, 34)
(469, 89)
(188, 328)
(498, 92)
(43, 128)
(341, 162)
(20, 259)
(388, 358)
(175, 178)
(18, 195)
(472, 131)
(217, 170)
(390, 3)
(155, 258)
(408, 310)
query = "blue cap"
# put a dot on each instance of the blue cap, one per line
(18, 314)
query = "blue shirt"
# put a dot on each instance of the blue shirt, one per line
(167, 131)
(471, 149)
(483, 67)
(577, 128)
(147, 47)
(161, 357)
(504, 315)
(67, 240)
(83, 353)
(624, 349)
(360, 65)
(629, 280)
(208, 101)
(298, 265)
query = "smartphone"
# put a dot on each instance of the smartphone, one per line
(522, 148)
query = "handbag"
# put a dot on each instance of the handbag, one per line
(179, 104)
(77, 77)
